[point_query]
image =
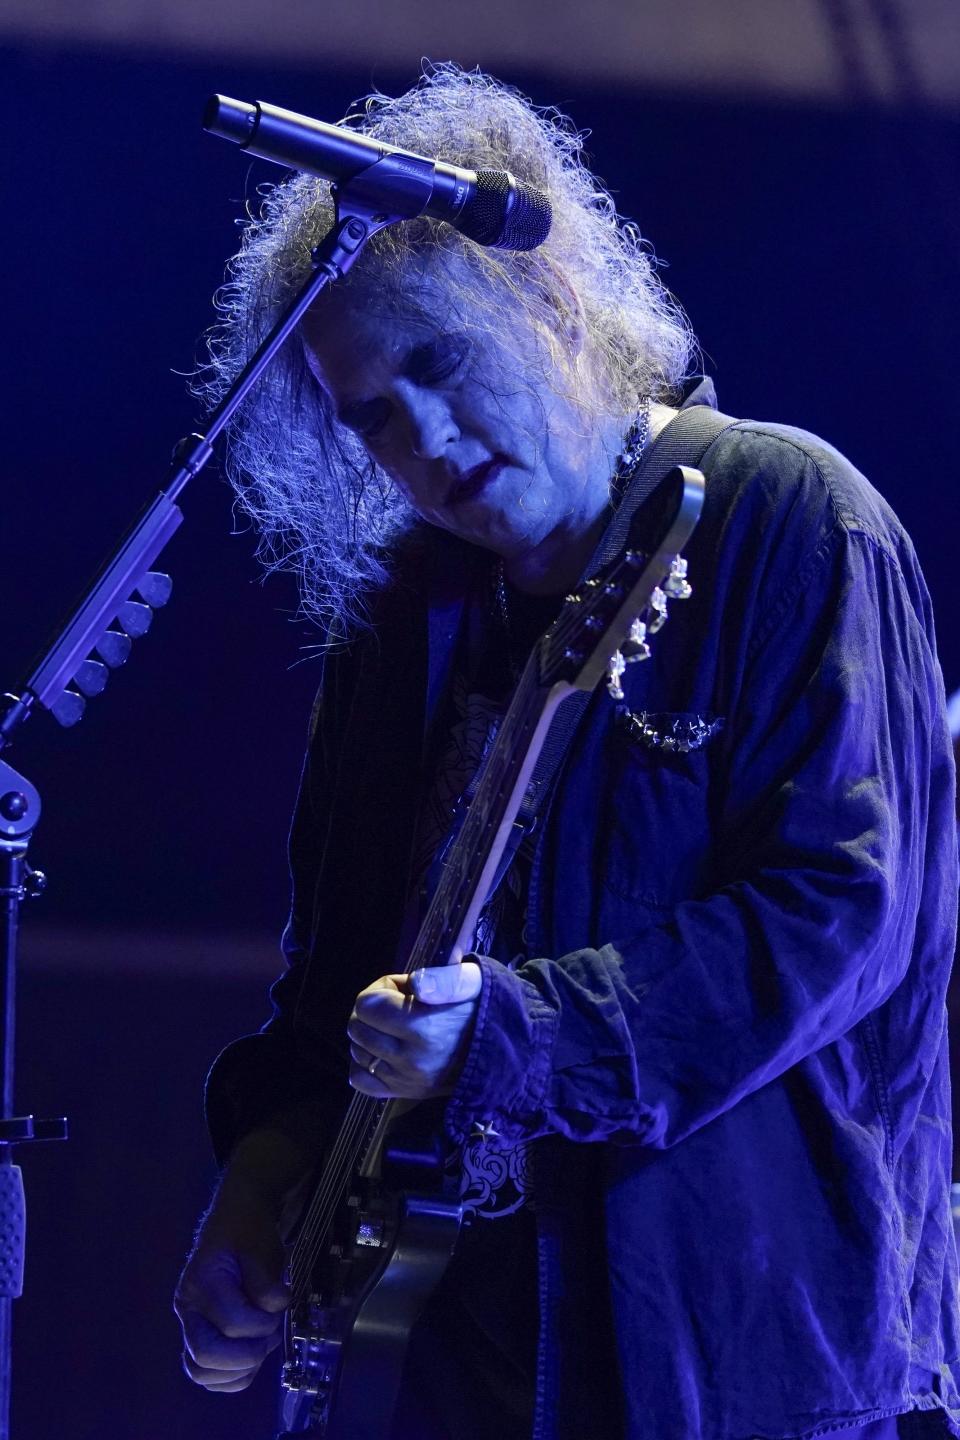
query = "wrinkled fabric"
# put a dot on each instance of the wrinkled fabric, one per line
(730, 1040)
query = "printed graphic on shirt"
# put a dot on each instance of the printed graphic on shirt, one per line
(495, 1178)
(475, 721)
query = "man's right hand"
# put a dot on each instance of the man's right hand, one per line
(230, 1298)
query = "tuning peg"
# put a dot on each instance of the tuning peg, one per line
(615, 671)
(676, 582)
(155, 588)
(91, 677)
(68, 709)
(637, 641)
(658, 605)
(136, 619)
(113, 647)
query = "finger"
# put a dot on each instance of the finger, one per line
(240, 1320)
(387, 985)
(385, 1012)
(263, 1286)
(210, 1349)
(232, 1387)
(225, 1380)
(383, 1085)
(448, 984)
(364, 1059)
(377, 1042)
(216, 1290)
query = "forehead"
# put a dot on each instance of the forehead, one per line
(377, 315)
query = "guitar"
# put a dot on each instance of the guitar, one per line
(381, 1224)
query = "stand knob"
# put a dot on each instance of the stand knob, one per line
(36, 882)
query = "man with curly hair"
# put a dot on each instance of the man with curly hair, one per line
(694, 1076)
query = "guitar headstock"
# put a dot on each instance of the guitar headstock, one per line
(606, 624)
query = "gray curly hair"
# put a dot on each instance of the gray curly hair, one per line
(323, 508)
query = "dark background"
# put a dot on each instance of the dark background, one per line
(816, 253)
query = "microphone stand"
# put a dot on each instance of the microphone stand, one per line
(105, 621)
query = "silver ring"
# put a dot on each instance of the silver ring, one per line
(372, 1067)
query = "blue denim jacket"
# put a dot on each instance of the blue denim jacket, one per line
(733, 1048)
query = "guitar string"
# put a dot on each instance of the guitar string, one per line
(321, 1197)
(327, 1195)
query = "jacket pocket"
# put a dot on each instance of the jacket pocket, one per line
(655, 832)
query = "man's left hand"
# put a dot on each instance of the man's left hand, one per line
(414, 1030)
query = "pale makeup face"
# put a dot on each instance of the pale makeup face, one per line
(467, 426)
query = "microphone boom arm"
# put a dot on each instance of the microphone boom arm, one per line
(109, 596)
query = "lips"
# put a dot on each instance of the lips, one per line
(475, 481)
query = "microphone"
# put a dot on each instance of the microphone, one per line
(488, 206)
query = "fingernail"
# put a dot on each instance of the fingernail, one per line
(426, 983)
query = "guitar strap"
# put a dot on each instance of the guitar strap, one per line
(684, 441)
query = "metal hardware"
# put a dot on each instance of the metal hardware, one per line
(676, 587)
(370, 1230)
(658, 604)
(676, 582)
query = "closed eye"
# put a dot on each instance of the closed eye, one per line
(367, 418)
(436, 361)
(429, 364)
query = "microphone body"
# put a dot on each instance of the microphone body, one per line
(488, 206)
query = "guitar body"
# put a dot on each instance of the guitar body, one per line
(346, 1342)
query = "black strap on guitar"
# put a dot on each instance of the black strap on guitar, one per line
(685, 441)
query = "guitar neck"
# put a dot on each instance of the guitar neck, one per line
(470, 866)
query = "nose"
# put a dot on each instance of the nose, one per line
(430, 422)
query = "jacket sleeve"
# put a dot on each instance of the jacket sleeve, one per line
(835, 753)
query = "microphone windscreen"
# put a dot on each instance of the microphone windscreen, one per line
(505, 213)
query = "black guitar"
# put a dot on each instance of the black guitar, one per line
(381, 1224)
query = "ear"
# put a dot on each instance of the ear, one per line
(569, 319)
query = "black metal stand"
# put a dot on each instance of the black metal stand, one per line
(19, 813)
(103, 624)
